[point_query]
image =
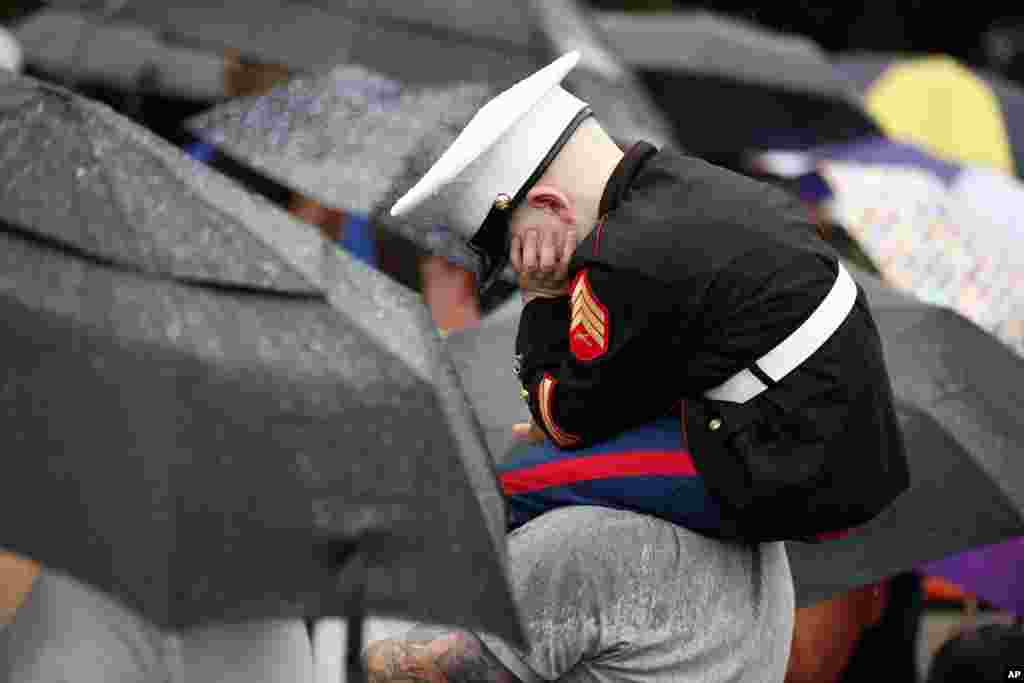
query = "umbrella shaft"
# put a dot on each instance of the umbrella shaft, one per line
(354, 662)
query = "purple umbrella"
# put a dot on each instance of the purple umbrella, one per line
(881, 151)
(994, 573)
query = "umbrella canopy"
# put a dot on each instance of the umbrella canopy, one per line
(81, 47)
(948, 233)
(212, 413)
(618, 97)
(356, 138)
(964, 115)
(959, 396)
(351, 139)
(995, 573)
(730, 86)
(483, 356)
(315, 36)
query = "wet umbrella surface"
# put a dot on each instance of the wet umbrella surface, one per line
(211, 413)
(351, 139)
(959, 398)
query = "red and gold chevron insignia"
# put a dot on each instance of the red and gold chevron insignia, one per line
(588, 328)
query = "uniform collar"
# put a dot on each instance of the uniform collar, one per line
(615, 191)
(622, 177)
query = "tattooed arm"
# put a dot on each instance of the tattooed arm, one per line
(434, 655)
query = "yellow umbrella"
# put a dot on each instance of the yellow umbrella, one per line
(936, 103)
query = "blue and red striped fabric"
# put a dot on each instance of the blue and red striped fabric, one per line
(647, 470)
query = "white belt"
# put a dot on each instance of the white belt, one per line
(794, 349)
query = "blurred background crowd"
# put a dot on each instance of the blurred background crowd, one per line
(900, 123)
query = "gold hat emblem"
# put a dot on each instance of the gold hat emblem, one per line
(502, 202)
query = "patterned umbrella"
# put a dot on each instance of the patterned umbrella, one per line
(948, 233)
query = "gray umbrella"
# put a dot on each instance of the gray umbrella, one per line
(730, 86)
(210, 412)
(959, 397)
(352, 139)
(83, 48)
(312, 36)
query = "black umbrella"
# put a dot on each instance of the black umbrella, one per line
(959, 397)
(730, 87)
(210, 412)
(620, 100)
(484, 357)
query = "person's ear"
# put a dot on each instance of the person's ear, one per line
(550, 198)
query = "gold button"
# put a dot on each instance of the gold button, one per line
(524, 394)
(714, 424)
(502, 202)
